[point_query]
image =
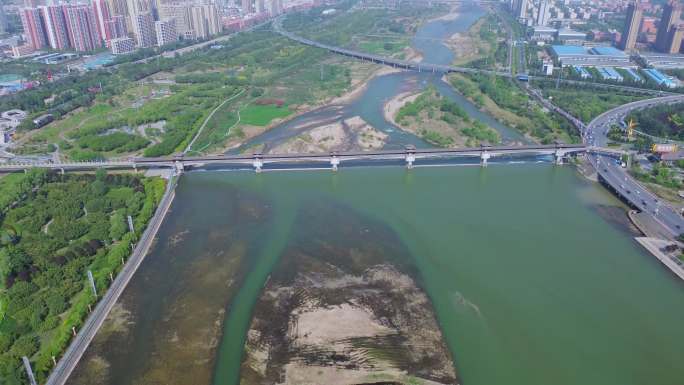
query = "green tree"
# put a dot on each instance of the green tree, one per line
(118, 226)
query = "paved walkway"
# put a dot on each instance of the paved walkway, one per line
(654, 246)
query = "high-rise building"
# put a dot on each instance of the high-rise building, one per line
(166, 32)
(3, 19)
(82, 26)
(543, 14)
(180, 14)
(272, 6)
(247, 6)
(55, 25)
(144, 27)
(135, 8)
(34, 31)
(632, 23)
(122, 45)
(669, 21)
(118, 7)
(205, 21)
(117, 27)
(260, 6)
(103, 17)
(522, 9)
(675, 39)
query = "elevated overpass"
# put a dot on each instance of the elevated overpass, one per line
(409, 155)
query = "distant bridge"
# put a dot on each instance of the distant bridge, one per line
(444, 69)
(409, 155)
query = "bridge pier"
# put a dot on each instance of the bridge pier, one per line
(257, 163)
(559, 155)
(410, 158)
(61, 170)
(178, 167)
(334, 162)
(135, 167)
(484, 157)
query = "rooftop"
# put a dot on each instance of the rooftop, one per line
(564, 50)
(608, 51)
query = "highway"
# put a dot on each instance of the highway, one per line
(292, 160)
(79, 344)
(614, 175)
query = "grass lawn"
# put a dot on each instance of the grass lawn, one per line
(219, 129)
(257, 115)
(379, 47)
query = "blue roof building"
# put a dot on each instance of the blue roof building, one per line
(609, 74)
(607, 51)
(633, 74)
(574, 55)
(565, 50)
(583, 73)
(659, 78)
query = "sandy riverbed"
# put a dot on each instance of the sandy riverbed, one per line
(393, 105)
(336, 315)
(352, 134)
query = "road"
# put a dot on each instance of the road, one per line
(618, 178)
(72, 355)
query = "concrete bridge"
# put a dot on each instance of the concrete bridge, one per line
(409, 156)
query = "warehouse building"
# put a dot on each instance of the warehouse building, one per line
(573, 55)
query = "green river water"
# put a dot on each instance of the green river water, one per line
(529, 283)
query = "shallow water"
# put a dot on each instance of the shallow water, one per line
(529, 284)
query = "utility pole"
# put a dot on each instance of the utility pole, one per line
(29, 371)
(92, 282)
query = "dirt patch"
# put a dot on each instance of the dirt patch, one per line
(463, 46)
(352, 134)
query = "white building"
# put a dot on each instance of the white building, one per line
(180, 14)
(122, 45)
(144, 27)
(205, 21)
(166, 32)
(543, 15)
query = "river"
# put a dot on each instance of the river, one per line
(532, 272)
(369, 106)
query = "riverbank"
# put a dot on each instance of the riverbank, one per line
(96, 319)
(469, 46)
